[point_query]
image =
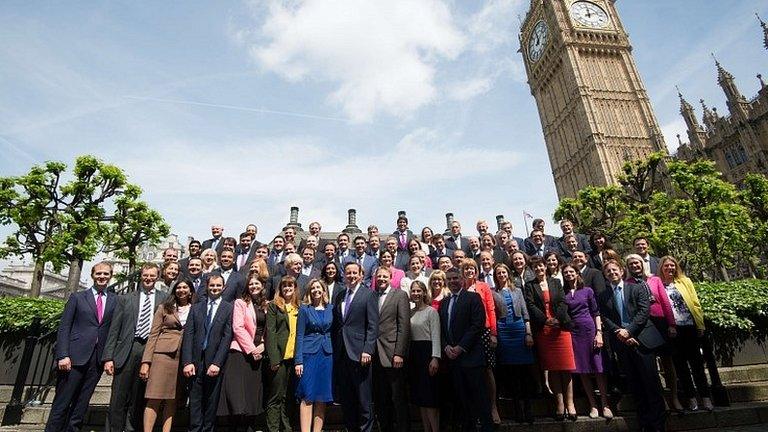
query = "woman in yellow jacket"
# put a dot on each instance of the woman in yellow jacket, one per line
(689, 319)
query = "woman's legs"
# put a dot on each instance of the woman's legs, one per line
(589, 390)
(168, 411)
(557, 388)
(150, 413)
(670, 376)
(566, 381)
(319, 417)
(433, 417)
(305, 416)
(489, 377)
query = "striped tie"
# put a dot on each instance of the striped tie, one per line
(142, 329)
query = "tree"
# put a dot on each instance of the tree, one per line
(133, 224)
(754, 196)
(31, 202)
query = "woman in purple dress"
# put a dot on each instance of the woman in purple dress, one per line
(587, 338)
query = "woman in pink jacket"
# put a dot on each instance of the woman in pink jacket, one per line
(241, 393)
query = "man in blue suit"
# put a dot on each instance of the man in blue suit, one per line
(79, 344)
(354, 334)
(204, 350)
(402, 234)
(369, 263)
(234, 282)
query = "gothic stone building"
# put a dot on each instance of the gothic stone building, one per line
(737, 142)
(594, 109)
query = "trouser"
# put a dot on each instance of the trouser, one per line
(390, 398)
(73, 392)
(639, 366)
(517, 380)
(687, 351)
(204, 394)
(277, 410)
(354, 393)
(126, 404)
(470, 386)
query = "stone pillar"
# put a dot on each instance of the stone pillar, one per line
(448, 222)
(352, 222)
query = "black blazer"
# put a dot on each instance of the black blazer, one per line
(219, 247)
(123, 327)
(450, 243)
(637, 306)
(79, 329)
(594, 279)
(356, 333)
(467, 325)
(535, 303)
(218, 340)
(233, 289)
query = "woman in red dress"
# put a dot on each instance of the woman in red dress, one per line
(548, 311)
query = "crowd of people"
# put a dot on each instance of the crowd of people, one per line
(447, 323)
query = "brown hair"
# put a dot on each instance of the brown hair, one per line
(308, 296)
(279, 299)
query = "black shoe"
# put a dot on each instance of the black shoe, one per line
(572, 416)
(559, 416)
(527, 412)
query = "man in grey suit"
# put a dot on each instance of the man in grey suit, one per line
(358, 255)
(399, 258)
(354, 333)
(650, 262)
(310, 267)
(127, 337)
(390, 399)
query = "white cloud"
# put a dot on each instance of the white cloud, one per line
(495, 24)
(670, 131)
(466, 90)
(381, 56)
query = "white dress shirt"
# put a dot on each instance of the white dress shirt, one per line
(351, 299)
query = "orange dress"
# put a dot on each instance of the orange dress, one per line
(554, 345)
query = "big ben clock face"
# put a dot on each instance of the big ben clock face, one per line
(538, 41)
(589, 14)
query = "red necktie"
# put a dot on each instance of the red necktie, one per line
(99, 307)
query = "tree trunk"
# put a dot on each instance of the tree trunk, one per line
(73, 278)
(37, 279)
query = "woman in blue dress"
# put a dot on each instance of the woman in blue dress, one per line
(514, 355)
(314, 356)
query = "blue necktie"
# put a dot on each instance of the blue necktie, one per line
(618, 292)
(208, 320)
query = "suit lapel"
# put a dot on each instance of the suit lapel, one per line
(627, 293)
(355, 299)
(91, 302)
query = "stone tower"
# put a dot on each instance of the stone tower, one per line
(593, 106)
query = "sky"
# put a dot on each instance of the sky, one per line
(233, 111)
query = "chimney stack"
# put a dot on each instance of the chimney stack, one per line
(448, 222)
(294, 219)
(499, 221)
(352, 222)
(401, 213)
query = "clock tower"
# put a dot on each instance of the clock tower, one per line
(593, 106)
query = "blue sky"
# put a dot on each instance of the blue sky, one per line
(233, 111)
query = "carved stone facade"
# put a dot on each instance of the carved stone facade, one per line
(594, 109)
(738, 142)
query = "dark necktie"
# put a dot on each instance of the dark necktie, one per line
(208, 320)
(142, 328)
(347, 302)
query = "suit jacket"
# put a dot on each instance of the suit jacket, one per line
(583, 243)
(530, 249)
(165, 336)
(401, 260)
(464, 328)
(219, 247)
(394, 327)
(535, 302)
(451, 243)
(79, 329)
(123, 328)
(311, 337)
(435, 255)
(277, 333)
(408, 237)
(244, 328)
(654, 263)
(637, 308)
(233, 288)
(219, 338)
(315, 270)
(355, 332)
(549, 241)
(594, 279)
(370, 264)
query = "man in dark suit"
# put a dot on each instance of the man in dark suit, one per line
(309, 266)
(455, 240)
(367, 262)
(402, 234)
(537, 245)
(276, 255)
(354, 333)
(625, 309)
(194, 248)
(204, 350)
(474, 247)
(399, 258)
(234, 282)
(506, 226)
(80, 341)
(342, 248)
(440, 249)
(592, 278)
(650, 262)
(374, 246)
(390, 399)
(329, 255)
(216, 241)
(124, 348)
(462, 319)
(195, 274)
(566, 226)
(243, 253)
(252, 230)
(548, 240)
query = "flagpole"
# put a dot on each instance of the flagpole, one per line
(525, 222)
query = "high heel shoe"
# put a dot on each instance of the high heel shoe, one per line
(706, 403)
(607, 413)
(593, 414)
(559, 416)
(572, 416)
(693, 404)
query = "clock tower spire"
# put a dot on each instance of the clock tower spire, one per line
(593, 106)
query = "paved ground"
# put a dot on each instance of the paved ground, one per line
(754, 428)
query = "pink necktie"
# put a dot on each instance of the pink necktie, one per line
(99, 307)
(402, 240)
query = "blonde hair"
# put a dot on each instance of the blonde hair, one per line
(426, 296)
(438, 274)
(678, 270)
(280, 300)
(307, 300)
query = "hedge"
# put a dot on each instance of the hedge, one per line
(16, 314)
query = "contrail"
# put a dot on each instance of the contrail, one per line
(238, 108)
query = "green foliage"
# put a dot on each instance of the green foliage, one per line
(17, 313)
(734, 312)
